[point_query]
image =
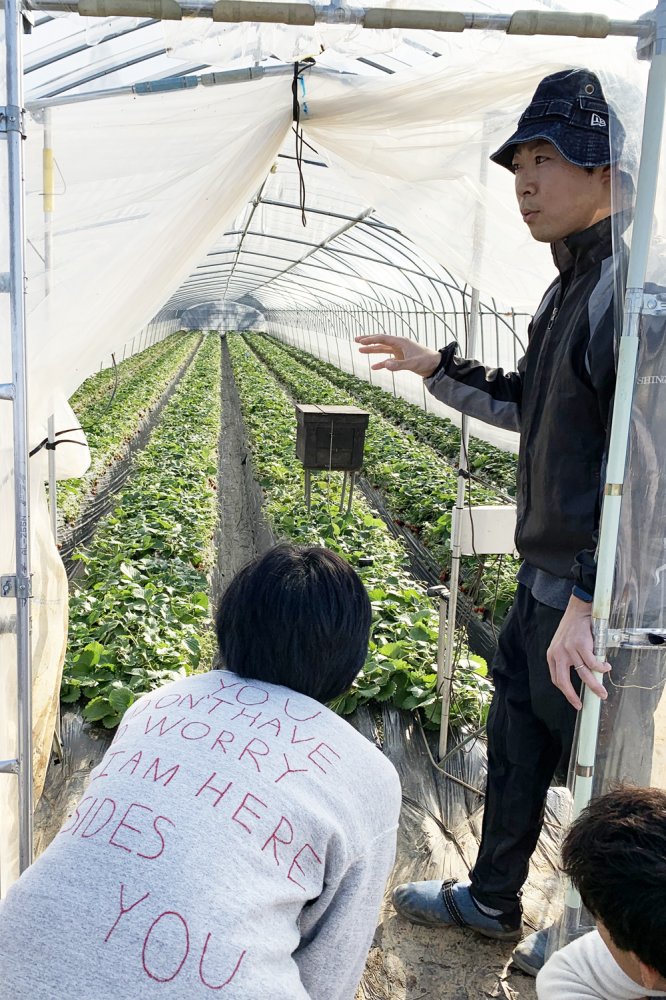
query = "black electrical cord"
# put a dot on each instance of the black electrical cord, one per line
(299, 69)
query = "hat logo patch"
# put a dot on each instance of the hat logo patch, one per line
(598, 120)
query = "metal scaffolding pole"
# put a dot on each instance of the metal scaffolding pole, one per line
(47, 171)
(445, 657)
(18, 584)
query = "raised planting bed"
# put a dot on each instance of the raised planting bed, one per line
(400, 668)
(112, 413)
(418, 487)
(139, 614)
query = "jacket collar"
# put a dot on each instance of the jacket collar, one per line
(584, 250)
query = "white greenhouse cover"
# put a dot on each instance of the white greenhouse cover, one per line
(148, 185)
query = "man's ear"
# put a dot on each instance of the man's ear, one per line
(650, 978)
(605, 174)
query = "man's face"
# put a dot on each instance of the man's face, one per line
(556, 198)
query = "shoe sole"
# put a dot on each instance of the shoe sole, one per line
(524, 966)
(495, 935)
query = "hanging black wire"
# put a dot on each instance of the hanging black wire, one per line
(299, 69)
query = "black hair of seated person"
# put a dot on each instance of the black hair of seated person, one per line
(615, 855)
(298, 616)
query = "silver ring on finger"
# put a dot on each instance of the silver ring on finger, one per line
(581, 666)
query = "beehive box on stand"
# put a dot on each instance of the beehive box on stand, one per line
(330, 437)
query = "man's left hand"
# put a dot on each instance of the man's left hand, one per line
(572, 648)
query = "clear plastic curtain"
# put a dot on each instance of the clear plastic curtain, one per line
(143, 188)
(413, 146)
(631, 745)
(632, 738)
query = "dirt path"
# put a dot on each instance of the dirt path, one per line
(438, 837)
(242, 531)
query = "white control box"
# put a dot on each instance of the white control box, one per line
(488, 530)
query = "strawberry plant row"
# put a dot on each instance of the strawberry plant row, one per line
(94, 393)
(142, 380)
(400, 667)
(497, 467)
(139, 615)
(420, 489)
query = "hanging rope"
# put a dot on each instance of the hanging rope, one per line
(299, 69)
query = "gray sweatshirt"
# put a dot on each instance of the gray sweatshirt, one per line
(235, 841)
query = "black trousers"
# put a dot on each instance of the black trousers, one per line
(530, 732)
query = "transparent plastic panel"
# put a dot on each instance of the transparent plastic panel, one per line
(143, 187)
(448, 198)
(631, 745)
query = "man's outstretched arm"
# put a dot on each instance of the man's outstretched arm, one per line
(489, 394)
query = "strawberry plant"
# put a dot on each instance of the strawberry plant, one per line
(111, 420)
(400, 668)
(420, 489)
(139, 615)
(497, 467)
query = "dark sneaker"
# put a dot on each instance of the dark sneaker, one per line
(451, 904)
(530, 954)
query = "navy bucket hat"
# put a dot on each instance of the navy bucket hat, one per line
(570, 111)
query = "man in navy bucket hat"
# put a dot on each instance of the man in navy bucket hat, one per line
(564, 156)
(570, 111)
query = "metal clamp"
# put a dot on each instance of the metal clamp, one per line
(11, 119)
(654, 304)
(7, 390)
(637, 638)
(9, 766)
(338, 13)
(15, 586)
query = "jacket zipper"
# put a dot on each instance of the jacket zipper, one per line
(554, 313)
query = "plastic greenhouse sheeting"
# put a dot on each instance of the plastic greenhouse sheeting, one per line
(632, 744)
(147, 185)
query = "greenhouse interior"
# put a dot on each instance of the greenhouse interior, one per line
(207, 204)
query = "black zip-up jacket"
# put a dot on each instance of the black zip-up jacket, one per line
(560, 400)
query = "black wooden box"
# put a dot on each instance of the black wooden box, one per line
(330, 437)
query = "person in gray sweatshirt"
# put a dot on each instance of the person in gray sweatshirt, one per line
(236, 839)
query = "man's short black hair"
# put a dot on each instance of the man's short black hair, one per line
(297, 616)
(615, 855)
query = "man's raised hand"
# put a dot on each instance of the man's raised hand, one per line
(405, 354)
